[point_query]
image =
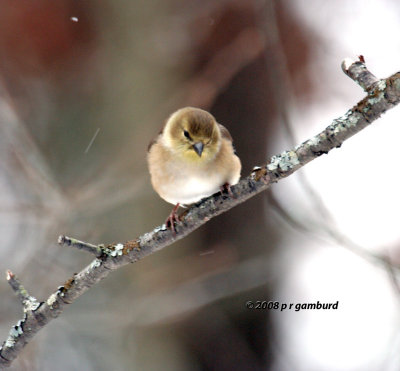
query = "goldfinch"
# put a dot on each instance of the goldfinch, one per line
(191, 158)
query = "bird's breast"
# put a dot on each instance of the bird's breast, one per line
(187, 187)
(178, 181)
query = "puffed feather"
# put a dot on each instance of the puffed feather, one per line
(179, 176)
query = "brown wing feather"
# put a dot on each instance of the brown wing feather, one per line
(155, 139)
(151, 143)
(225, 133)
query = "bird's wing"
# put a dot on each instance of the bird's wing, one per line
(155, 139)
(225, 133)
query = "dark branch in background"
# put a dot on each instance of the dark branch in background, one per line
(284, 98)
(323, 225)
(382, 95)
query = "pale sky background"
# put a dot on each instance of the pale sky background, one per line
(359, 184)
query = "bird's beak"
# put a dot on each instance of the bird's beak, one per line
(198, 147)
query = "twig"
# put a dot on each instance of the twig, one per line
(327, 234)
(93, 249)
(359, 73)
(384, 94)
(25, 329)
(392, 274)
(27, 301)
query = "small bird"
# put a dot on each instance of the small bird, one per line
(191, 158)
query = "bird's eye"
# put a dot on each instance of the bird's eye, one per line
(186, 134)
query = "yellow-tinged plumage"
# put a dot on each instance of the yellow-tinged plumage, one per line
(192, 158)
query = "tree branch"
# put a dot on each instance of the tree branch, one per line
(359, 73)
(27, 301)
(382, 95)
(93, 249)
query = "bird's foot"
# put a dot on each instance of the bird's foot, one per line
(173, 218)
(226, 188)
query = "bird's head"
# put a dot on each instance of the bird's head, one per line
(193, 134)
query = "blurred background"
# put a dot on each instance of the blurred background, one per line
(85, 86)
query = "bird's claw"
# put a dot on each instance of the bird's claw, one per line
(172, 219)
(226, 188)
